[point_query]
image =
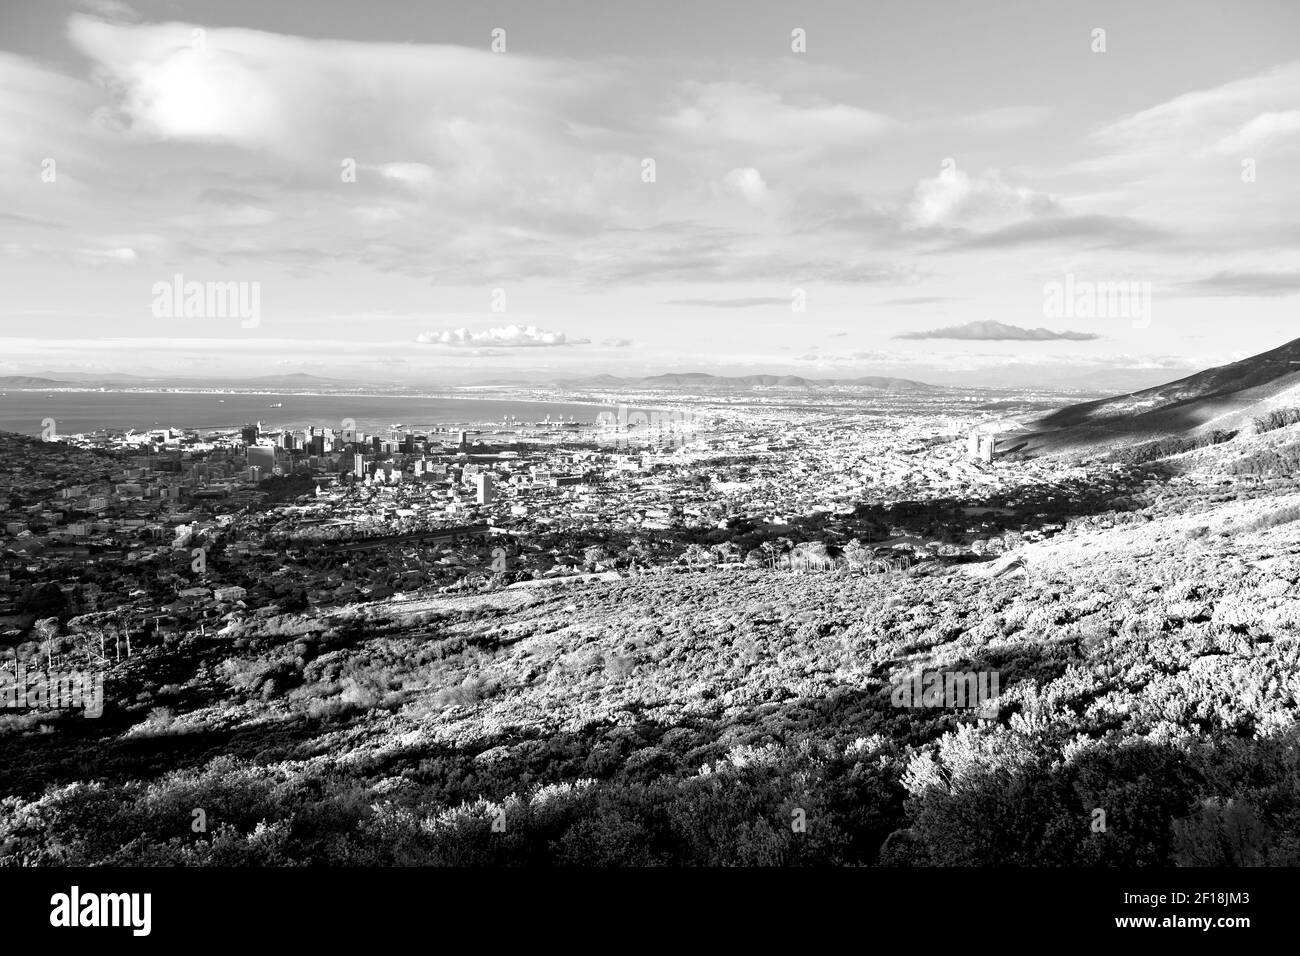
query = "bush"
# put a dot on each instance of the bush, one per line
(1278, 418)
(1271, 520)
(1273, 461)
(1221, 833)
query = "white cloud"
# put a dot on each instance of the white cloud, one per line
(747, 183)
(741, 113)
(954, 198)
(122, 255)
(507, 336)
(316, 101)
(408, 174)
(1192, 116)
(1259, 132)
(376, 214)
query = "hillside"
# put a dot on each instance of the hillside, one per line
(301, 379)
(1148, 663)
(1226, 397)
(29, 381)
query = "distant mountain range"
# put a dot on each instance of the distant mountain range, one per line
(28, 381)
(291, 379)
(705, 380)
(1225, 397)
(304, 380)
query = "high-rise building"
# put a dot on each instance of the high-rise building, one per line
(250, 434)
(462, 440)
(359, 464)
(261, 456)
(483, 482)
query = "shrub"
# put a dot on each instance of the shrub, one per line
(1221, 833)
(1278, 418)
(1271, 520)
(1272, 461)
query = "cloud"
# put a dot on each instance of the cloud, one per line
(747, 183)
(992, 331)
(616, 343)
(712, 258)
(14, 217)
(469, 165)
(916, 300)
(1188, 118)
(1245, 284)
(953, 198)
(506, 336)
(746, 114)
(408, 174)
(744, 303)
(109, 9)
(118, 255)
(1182, 141)
(1259, 132)
(475, 169)
(303, 99)
(1096, 230)
(229, 197)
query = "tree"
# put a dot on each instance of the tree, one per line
(43, 600)
(696, 554)
(857, 555)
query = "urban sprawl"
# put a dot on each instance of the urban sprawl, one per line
(174, 531)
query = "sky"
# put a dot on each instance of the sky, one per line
(451, 193)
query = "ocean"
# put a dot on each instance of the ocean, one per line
(84, 411)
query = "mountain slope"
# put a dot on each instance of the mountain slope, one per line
(29, 381)
(1226, 397)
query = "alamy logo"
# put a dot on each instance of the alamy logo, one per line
(652, 421)
(208, 300)
(45, 689)
(953, 689)
(1081, 299)
(75, 909)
